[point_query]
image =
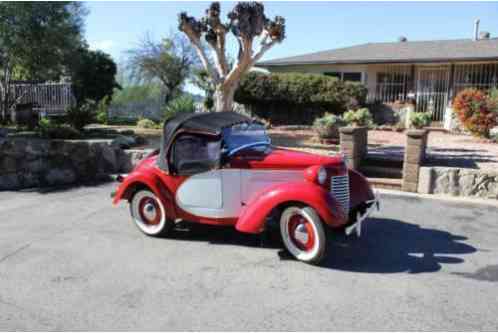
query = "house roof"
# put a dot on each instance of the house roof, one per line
(397, 52)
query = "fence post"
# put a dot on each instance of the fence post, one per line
(416, 143)
(353, 143)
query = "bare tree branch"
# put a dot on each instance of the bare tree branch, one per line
(193, 29)
(246, 21)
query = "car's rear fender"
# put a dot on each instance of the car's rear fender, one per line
(149, 180)
(253, 216)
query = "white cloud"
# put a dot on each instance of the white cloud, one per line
(102, 45)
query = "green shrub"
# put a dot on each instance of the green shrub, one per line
(297, 97)
(102, 116)
(420, 119)
(50, 130)
(146, 123)
(327, 127)
(182, 104)
(81, 115)
(122, 121)
(360, 117)
(476, 110)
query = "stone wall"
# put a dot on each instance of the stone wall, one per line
(458, 182)
(27, 163)
(354, 145)
(416, 144)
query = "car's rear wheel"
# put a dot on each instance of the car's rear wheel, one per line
(148, 213)
(303, 233)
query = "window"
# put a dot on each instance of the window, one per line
(346, 76)
(479, 76)
(393, 82)
(352, 77)
(334, 74)
(195, 153)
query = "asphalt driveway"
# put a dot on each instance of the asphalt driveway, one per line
(71, 261)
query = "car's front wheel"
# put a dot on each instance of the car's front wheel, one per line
(148, 213)
(303, 234)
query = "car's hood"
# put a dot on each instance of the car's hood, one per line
(284, 159)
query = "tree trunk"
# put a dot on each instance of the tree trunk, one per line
(223, 98)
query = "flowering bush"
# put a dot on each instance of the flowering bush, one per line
(476, 111)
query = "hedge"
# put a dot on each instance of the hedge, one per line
(295, 98)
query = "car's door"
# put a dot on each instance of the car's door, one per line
(208, 191)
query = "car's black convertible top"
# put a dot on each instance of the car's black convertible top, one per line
(209, 123)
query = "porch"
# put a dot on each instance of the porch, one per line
(430, 86)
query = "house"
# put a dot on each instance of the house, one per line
(428, 72)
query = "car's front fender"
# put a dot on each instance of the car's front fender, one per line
(253, 216)
(149, 180)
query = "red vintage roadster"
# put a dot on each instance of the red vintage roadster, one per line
(221, 169)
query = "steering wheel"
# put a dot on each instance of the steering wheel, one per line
(249, 145)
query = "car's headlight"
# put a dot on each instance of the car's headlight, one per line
(322, 176)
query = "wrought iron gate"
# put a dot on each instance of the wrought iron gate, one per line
(432, 90)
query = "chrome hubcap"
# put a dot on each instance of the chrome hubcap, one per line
(301, 234)
(149, 211)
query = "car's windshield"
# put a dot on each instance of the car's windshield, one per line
(245, 136)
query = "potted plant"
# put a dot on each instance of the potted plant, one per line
(327, 126)
(358, 118)
(420, 120)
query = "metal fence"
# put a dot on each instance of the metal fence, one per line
(432, 90)
(393, 83)
(49, 98)
(480, 76)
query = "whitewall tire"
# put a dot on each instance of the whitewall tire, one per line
(303, 234)
(148, 213)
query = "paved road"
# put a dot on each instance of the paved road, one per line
(70, 261)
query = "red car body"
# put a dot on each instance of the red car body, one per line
(249, 187)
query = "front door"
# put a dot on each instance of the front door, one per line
(432, 90)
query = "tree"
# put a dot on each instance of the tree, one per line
(93, 76)
(246, 22)
(169, 62)
(201, 80)
(36, 40)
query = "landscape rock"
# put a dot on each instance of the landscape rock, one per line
(124, 142)
(460, 182)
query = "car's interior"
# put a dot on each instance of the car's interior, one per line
(193, 154)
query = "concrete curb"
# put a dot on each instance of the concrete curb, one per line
(440, 197)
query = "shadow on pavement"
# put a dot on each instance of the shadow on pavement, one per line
(391, 246)
(387, 246)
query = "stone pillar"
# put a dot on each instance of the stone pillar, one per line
(416, 143)
(353, 143)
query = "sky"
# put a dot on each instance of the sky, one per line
(115, 27)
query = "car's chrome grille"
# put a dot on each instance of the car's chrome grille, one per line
(340, 190)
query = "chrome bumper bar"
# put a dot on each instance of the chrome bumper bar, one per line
(373, 204)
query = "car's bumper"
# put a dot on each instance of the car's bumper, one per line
(373, 204)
